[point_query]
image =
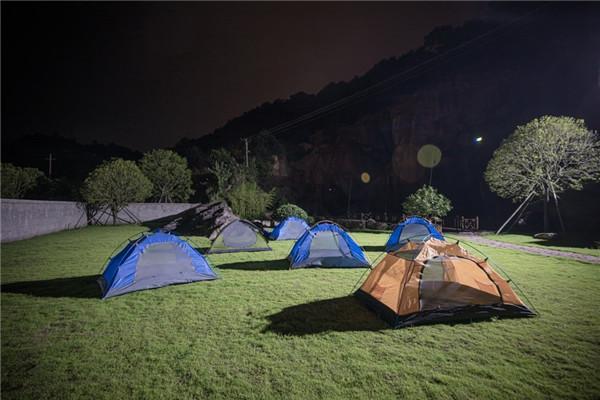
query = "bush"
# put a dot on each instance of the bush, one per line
(290, 210)
(249, 201)
(427, 202)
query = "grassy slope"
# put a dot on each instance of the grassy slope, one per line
(266, 332)
(527, 240)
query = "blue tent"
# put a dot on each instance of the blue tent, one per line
(415, 229)
(153, 260)
(290, 228)
(326, 244)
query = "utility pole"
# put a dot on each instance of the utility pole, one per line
(246, 141)
(50, 159)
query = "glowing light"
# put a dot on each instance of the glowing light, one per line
(365, 177)
(478, 139)
(429, 156)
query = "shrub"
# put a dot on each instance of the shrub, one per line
(290, 210)
(248, 200)
(427, 202)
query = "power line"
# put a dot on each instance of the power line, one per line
(393, 80)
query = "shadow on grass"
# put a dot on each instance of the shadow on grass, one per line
(268, 265)
(84, 287)
(340, 314)
(379, 249)
(576, 241)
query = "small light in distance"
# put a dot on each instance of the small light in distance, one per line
(478, 139)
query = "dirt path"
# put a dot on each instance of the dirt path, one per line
(529, 249)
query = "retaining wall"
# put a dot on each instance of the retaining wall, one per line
(22, 219)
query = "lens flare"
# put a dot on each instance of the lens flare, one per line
(365, 177)
(429, 156)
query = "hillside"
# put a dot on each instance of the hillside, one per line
(479, 79)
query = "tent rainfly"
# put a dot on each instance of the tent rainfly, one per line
(290, 228)
(326, 244)
(413, 229)
(237, 236)
(151, 261)
(436, 281)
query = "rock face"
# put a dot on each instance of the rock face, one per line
(547, 64)
(202, 220)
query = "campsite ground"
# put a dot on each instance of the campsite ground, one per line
(263, 331)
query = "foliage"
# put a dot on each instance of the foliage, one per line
(260, 319)
(546, 156)
(169, 173)
(226, 170)
(248, 200)
(290, 210)
(427, 202)
(263, 147)
(114, 184)
(18, 181)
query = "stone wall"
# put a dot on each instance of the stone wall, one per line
(22, 219)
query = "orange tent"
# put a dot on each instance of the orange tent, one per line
(437, 281)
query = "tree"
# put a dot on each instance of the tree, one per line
(427, 202)
(114, 184)
(169, 173)
(248, 200)
(543, 158)
(18, 181)
(226, 170)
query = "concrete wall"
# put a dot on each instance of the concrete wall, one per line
(22, 219)
(141, 212)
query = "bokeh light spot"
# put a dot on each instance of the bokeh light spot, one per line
(429, 156)
(365, 177)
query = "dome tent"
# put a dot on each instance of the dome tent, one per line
(414, 229)
(153, 260)
(239, 235)
(326, 244)
(290, 228)
(436, 281)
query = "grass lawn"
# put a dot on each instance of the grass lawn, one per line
(529, 240)
(263, 331)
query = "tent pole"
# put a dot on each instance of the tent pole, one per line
(513, 214)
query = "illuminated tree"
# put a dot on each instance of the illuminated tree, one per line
(543, 158)
(17, 181)
(114, 184)
(427, 202)
(170, 176)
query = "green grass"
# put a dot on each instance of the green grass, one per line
(263, 331)
(575, 245)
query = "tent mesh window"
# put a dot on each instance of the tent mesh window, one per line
(414, 232)
(239, 236)
(448, 282)
(328, 248)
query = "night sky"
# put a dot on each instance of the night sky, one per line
(145, 75)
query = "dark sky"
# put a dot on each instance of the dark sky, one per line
(145, 75)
